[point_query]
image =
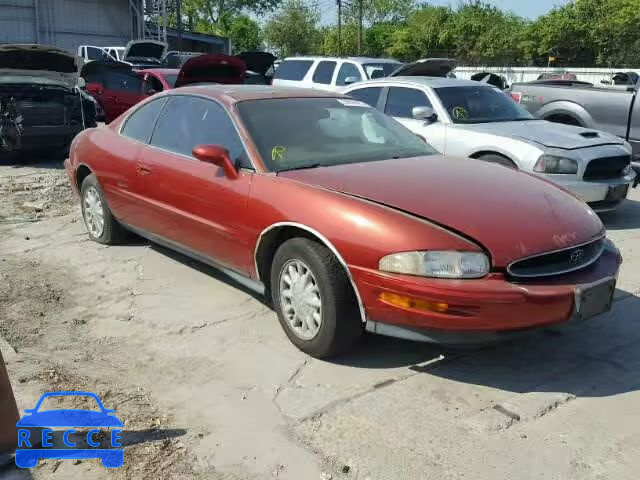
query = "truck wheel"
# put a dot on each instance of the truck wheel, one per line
(499, 159)
(314, 299)
(100, 222)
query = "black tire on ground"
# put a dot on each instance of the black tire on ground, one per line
(341, 325)
(499, 159)
(112, 233)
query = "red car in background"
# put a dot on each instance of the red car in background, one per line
(117, 86)
(343, 216)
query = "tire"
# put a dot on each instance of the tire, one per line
(111, 232)
(340, 324)
(499, 159)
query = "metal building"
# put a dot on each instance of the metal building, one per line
(71, 23)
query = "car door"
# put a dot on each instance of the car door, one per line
(189, 202)
(121, 92)
(399, 104)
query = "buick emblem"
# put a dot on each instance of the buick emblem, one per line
(576, 255)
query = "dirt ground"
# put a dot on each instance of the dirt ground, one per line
(208, 386)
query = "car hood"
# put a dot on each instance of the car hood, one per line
(512, 214)
(258, 62)
(426, 67)
(69, 418)
(39, 61)
(548, 134)
(145, 49)
(211, 69)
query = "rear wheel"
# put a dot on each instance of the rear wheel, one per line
(100, 222)
(314, 299)
(499, 159)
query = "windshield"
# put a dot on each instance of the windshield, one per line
(481, 104)
(171, 79)
(294, 133)
(379, 70)
(95, 53)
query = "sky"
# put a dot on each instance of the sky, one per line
(525, 8)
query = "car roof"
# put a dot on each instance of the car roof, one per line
(353, 59)
(434, 82)
(238, 93)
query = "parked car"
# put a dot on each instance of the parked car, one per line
(40, 104)
(330, 73)
(343, 216)
(464, 118)
(90, 53)
(117, 86)
(613, 108)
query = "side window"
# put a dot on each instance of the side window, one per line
(324, 72)
(124, 82)
(400, 101)
(151, 83)
(347, 70)
(293, 69)
(189, 121)
(139, 125)
(369, 95)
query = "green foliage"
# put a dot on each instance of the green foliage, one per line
(585, 32)
(294, 30)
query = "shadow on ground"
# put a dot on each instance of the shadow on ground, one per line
(626, 217)
(596, 358)
(32, 160)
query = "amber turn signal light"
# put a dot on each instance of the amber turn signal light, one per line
(408, 302)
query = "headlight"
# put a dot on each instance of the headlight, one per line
(553, 164)
(438, 264)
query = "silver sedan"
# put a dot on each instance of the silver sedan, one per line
(471, 119)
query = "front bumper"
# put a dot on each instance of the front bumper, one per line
(601, 195)
(477, 310)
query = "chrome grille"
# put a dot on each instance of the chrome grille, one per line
(606, 168)
(558, 262)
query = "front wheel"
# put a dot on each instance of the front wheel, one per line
(314, 299)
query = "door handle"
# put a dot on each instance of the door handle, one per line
(143, 170)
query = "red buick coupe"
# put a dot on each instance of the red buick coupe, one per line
(348, 220)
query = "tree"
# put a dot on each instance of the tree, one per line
(377, 11)
(244, 33)
(294, 30)
(213, 12)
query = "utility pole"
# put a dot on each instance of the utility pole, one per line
(179, 21)
(359, 27)
(339, 2)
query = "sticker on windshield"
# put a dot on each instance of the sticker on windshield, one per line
(460, 113)
(277, 153)
(348, 102)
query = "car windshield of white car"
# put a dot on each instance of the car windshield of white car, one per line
(297, 133)
(482, 104)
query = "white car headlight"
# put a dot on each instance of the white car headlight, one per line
(438, 264)
(553, 164)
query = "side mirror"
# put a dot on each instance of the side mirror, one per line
(424, 113)
(81, 83)
(350, 80)
(95, 88)
(218, 156)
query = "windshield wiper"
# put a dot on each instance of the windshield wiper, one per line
(301, 167)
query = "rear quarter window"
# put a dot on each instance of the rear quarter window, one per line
(293, 69)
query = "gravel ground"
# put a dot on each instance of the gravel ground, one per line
(208, 386)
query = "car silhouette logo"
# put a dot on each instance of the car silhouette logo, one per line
(27, 457)
(576, 255)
